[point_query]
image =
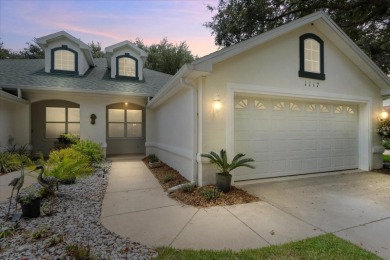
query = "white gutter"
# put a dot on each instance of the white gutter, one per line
(9, 97)
(173, 84)
(195, 128)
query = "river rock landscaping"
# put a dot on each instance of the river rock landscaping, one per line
(73, 231)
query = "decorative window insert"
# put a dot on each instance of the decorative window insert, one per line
(279, 106)
(311, 57)
(124, 123)
(242, 104)
(127, 67)
(62, 120)
(64, 60)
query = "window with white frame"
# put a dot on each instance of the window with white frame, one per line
(127, 67)
(64, 60)
(124, 123)
(61, 120)
(311, 56)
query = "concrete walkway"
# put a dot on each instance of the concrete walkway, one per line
(136, 206)
(355, 207)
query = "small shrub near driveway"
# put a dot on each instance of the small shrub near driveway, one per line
(168, 178)
(210, 193)
(189, 187)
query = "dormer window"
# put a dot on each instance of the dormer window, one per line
(127, 67)
(311, 53)
(64, 60)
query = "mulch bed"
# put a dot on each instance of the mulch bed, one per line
(383, 170)
(196, 198)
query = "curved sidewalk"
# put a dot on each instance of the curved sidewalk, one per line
(135, 206)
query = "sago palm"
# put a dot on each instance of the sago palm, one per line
(221, 162)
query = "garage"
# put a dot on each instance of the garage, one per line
(287, 136)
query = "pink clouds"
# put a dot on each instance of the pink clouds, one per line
(109, 22)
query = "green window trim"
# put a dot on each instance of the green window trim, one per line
(66, 48)
(126, 55)
(302, 72)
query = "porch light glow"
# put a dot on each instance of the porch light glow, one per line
(217, 103)
(126, 103)
(384, 115)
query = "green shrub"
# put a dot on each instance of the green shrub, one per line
(188, 187)
(12, 161)
(168, 178)
(210, 193)
(92, 150)
(153, 158)
(68, 164)
(8, 162)
(386, 144)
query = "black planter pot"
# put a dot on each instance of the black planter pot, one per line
(32, 210)
(223, 182)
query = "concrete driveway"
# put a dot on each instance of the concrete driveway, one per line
(353, 206)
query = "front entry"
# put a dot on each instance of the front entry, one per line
(125, 129)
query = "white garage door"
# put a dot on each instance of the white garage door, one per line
(289, 137)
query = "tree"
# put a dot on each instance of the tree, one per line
(32, 51)
(365, 22)
(96, 50)
(7, 53)
(165, 56)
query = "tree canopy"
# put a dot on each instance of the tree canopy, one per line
(165, 56)
(366, 22)
(96, 50)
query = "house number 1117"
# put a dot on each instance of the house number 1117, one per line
(311, 84)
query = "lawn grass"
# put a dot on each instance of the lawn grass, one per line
(322, 247)
(386, 158)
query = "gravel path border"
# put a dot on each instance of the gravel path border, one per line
(76, 221)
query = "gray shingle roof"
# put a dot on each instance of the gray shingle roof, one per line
(29, 74)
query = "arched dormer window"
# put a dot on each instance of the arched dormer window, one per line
(127, 67)
(311, 56)
(64, 60)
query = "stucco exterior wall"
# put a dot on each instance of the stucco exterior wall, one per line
(170, 132)
(122, 51)
(272, 69)
(89, 104)
(83, 65)
(14, 122)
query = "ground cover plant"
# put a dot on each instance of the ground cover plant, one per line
(322, 247)
(197, 196)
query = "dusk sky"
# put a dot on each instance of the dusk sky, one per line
(108, 22)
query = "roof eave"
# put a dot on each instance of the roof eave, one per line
(175, 84)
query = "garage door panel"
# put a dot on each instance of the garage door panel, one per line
(288, 137)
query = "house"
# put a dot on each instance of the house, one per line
(299, 99)
(41, 99)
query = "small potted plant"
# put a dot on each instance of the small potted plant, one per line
(154, 162)
(30, 200)
(223, 177)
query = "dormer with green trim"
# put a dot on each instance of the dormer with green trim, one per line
(64, 54)
(126, 61)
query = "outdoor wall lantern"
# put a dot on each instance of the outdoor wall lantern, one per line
(217, 105)
(93, 118)
(384, 115)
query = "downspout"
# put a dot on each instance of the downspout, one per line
(195, 128)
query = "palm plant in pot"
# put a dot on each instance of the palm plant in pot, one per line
(223, 177)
